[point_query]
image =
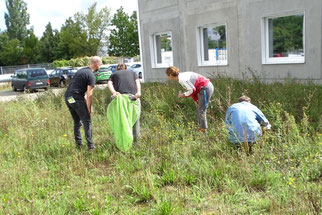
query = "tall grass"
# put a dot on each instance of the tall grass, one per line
(173, 169)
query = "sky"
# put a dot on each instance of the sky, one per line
(57, 11)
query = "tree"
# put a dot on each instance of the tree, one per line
(30, 49)
(72, 41)
(16, 19)
(48, 44)
(83, 35)
(11, 51)
(95, 25)
(124, 38)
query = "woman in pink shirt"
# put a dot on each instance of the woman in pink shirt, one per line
(198, 87)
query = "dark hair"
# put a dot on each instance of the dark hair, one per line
(173, 71)
(244, 99)
(121, 66)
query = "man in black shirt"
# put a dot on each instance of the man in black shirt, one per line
(124, 81)
(80, 106)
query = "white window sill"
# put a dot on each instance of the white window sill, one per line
(284, 61)
(213, 64)
(161, 67)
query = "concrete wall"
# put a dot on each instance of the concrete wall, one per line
(243, 19)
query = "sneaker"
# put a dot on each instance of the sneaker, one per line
(79, 147)
(91, 148)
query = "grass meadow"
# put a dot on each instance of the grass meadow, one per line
(173, 169)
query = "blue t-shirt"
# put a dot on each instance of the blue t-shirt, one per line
(243, 121)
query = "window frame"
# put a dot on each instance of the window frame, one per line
(153, 45)
(200, 42)
(265, 40)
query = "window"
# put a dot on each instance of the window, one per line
(212, 45)
(284, 39)
(162, 50)
(22, 74)
(37, 73)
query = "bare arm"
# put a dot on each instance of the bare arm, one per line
(112, 89)
(89, 94)
(138, 88)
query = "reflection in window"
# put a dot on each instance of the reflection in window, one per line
(163, 49)
(213, 45)
(286, 36)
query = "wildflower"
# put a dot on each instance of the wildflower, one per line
(4, 199)
(9, 202)
(65, 135)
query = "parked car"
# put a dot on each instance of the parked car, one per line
(112, 68)
(137, 68)
(103, 74)
(61, 76)
(30, 79)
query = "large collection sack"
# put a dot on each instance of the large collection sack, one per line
(122, 113)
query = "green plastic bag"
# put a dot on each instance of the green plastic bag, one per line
(122, 113)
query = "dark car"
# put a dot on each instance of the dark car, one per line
(30, 79)
(61, 77)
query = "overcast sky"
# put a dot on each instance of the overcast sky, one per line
(57, 11)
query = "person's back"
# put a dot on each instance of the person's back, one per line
(124, 81)
(78, 85)
(244, 121)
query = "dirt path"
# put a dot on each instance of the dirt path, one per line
(9, 95)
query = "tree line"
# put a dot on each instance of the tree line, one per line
(84, 34)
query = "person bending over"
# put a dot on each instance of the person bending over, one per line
(198, 87)
(80, 106)
(244, 122)
(124, 81)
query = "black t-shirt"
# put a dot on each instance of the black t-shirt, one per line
(124, 81)
(78, 85)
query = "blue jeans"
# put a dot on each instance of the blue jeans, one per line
(203, 101)
(80, 114)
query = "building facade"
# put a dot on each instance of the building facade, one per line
(273, 39)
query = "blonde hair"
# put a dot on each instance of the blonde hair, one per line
(173, 71)
(121, 66)
(96, 60)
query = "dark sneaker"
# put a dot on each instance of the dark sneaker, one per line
(91, 148)
(79, 147)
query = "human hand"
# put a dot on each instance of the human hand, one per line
(181, 95)
(137, 95)
(196, 103)
(116, 93)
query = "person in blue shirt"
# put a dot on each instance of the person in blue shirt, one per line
(244, 122)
